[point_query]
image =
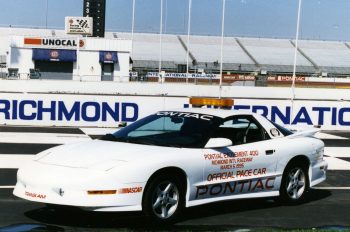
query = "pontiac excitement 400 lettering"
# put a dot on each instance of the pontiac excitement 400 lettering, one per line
(176, 159)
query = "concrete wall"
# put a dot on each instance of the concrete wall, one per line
(21, 59)
(171, 90)
(22, 102)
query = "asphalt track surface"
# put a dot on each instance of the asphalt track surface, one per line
(327, 206)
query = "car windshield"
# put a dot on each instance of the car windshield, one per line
(171, 129)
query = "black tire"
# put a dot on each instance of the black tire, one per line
(164, 199)
(295, 184)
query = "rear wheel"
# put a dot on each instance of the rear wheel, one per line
(295, 184)
(164, 199)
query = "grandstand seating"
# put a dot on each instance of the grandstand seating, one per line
(239, 54)
(273, 51)
(207, 49)
(326, 53)
(146, 47)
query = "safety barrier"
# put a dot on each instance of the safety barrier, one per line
(193, 78)
(105, 104)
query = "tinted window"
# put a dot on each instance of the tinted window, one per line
(176, 129)
(240, 130)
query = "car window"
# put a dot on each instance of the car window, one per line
(169, 128)
(159, 126)
(239, 123)
(241, 130)
(236, 123)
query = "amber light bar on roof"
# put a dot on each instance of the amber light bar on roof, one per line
(197, 101)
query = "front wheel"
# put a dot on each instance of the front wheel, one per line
(295, 184)
(164, 199)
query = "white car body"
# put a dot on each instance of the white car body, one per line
(63, 175)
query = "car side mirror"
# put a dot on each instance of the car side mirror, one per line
(218, 142)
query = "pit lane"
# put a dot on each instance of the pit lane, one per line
(327, 206)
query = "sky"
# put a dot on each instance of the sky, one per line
(320, 19)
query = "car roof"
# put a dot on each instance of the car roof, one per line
(222, 113)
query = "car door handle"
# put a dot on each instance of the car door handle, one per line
(269, 152)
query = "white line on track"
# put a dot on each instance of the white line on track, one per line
(7, 187)
(14, 161)
(337, 151)
(332, 188)
(321, 135)
(337, 164)
(42, 138)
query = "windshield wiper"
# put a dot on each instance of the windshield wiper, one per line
(148, 141)
(109, 137)
(137, 140)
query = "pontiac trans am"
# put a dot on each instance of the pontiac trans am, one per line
(171, 160)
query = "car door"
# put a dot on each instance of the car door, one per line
(248, 166)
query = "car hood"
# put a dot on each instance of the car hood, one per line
(95, 154)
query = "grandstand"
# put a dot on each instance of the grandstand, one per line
(241, 55)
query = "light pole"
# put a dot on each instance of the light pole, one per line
(132, 27)
(222, 43)
(188, 37)
(295, 61)
(160, 41)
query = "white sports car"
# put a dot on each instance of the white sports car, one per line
(176, 159)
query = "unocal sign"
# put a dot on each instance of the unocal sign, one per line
(107, 111)
(53, 42)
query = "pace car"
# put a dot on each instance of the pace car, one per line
(175, 159)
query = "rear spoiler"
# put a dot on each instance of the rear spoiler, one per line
(305, 133)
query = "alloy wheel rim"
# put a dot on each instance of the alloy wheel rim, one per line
(165, 199)
(296, 183)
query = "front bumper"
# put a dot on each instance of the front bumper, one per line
(113, 202)
(69, 186)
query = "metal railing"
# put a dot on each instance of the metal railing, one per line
(228, 80)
